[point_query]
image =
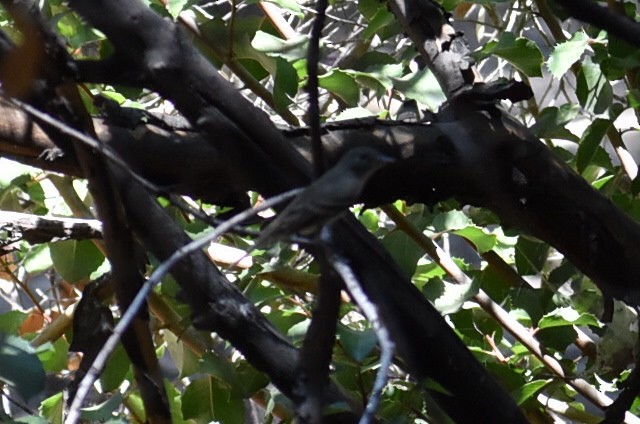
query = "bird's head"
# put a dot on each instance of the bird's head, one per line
(364, 161)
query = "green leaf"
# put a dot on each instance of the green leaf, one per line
(633, 97)
(404, 250)
(566, 54)
(197, 401)
(357, 344)
(529, 390)
(75, 260)
(38, 259)
(423, 87)
(175, 402)
(21, 368)
(176, 6)
(552, 120)
(600, 159)
(482, 240)
(619, 57)
(244, 30)
(226, 408)
(593, 89)
(297, 331)
(249, 380)
(12, 170)
(116, 370)
(522, 53)
(451, 221)
(369, 8)
(54, 355)
(287, 49)
(11, 321)
(527, 304)
(218, 367)
(381, 19)
(183, 358)
(568, 316)
(52, 408)
(136, 406)
(342, 84)
(31, 419)
(285, 83)
(557, 338)
(426, 272)
(454, 297)
(290, 5)
(369, 219)
(373, 58)
(380, 75)
(591, 139)
(531, 256)
(208, 400)
(102, 411)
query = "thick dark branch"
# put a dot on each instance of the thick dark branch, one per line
(216, 304)
(476, 161)
(605, 18)
(430, 350)
(159, 50)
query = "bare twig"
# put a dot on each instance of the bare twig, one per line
(387, 346)
(313, 63)
(156, 276)
(43, 229)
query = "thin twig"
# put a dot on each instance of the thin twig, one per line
(91, 142)
(313, 62)
(113, 156)
(156, 276)
(387, 346)
(499, 314)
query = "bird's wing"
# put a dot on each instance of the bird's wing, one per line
(308, 212)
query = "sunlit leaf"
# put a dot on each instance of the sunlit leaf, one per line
(566, 317)
(423, 87)
(522, 53)
(593, 89)
(75, 260)
(530, 389)
(566, 54)
(454, 296)
(11, 321)
(287, 49)
(54, 355)
(482, 240)
(53, 408)
(341, 84)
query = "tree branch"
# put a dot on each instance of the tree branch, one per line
(44, 229)
(602, 17)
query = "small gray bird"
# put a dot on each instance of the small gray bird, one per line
(326, 198)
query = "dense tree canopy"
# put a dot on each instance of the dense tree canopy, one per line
(487, 274)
